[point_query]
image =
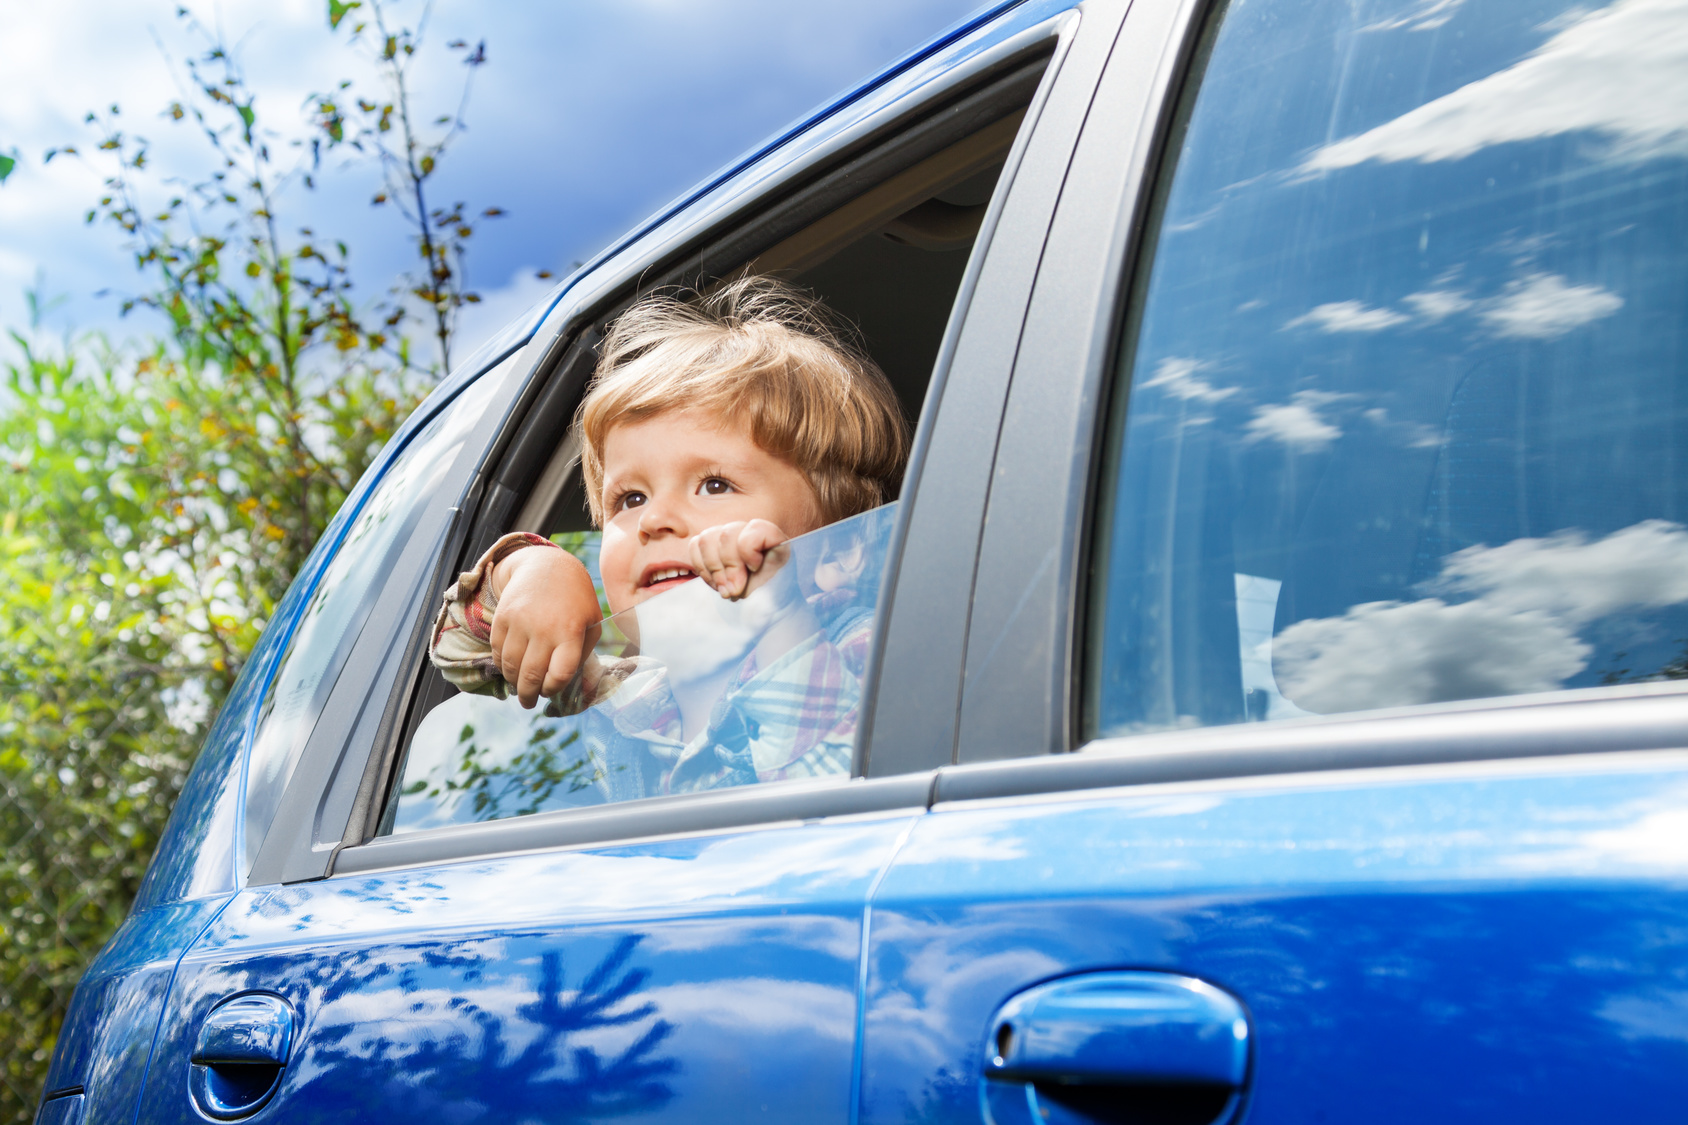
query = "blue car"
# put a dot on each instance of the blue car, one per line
(1273, 697)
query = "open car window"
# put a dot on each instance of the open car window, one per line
(687, 692)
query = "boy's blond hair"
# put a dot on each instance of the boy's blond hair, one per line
(759, 351)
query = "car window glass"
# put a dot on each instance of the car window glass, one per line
(1402, 416)
(332, 619)
(687, 692)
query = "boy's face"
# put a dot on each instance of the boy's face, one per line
(669, 477)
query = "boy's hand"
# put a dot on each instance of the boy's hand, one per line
(730, 556)
(546, 622)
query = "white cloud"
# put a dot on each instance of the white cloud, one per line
(1427, 15)
(1387, 654)
(1517, 633)
(1296, 424)
(1621, 72)
(1348, 316)
(1542, 306)
(1177, 376)
(1566, 575)
(1661, 1014)
(1438, 304)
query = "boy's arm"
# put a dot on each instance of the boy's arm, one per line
(519, 617)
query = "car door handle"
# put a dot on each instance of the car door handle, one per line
(240, 1055)
(1117, 1046)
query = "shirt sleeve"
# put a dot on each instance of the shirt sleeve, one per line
(462, 644)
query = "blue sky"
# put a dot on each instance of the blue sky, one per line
(589, 115)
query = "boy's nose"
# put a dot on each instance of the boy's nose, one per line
(660, 517)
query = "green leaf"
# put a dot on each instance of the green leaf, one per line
(337, 12)
(247, 116)
(7, 163)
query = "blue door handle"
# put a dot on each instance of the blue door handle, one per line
(240, 1055)
(1117, 1046)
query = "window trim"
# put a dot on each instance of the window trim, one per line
(755, 806)
(1024, 636)
(1627, 719)
(1630, 717)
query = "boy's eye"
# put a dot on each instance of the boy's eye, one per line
(715, 486)
(630, 500)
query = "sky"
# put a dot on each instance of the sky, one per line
(589, 116)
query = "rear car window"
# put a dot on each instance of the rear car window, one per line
(333, 619)
(687, 693)
(1402, 416)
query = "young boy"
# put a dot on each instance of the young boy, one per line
(714, 431)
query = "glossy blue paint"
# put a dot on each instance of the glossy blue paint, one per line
(239, 1056)
(108, 1032)
(1096, 1040)
(687, 980)
(1120, 1027)
(1470, 943)
(253, 1028)
(66, 1110)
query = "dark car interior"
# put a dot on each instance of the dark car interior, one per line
(888, 263)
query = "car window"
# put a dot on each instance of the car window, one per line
(331, 621)
(686, 693)
(1402, 414)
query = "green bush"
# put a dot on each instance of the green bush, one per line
(157, 495)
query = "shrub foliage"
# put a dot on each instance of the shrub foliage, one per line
(159, 493)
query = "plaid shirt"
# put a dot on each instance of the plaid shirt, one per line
(796, 718)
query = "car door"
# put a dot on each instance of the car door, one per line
(1320, 755)
(692, 957)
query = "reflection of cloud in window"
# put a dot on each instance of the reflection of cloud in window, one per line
(1386, 654)
(1427, 15)
(1543, 306)
(1645, 565)
(1414, 435)
(1347, 316)
(1538, 306)
(1438, 304)
(1296, 424)
(1661, 1014)
(1177, 377)
(1516, 634)
(1621, 71)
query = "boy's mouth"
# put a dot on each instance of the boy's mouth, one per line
(664, 576)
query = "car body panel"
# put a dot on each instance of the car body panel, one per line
(1466, 942)
(710, 978)
(108, 1032)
